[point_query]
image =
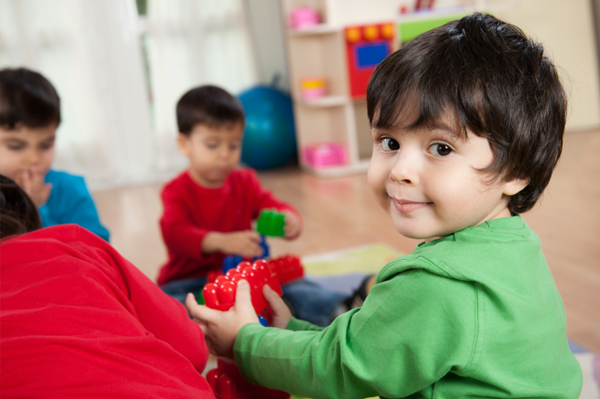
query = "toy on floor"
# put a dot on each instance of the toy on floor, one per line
(226, 380)
(231, 261)
(271, 223)
(288, 268)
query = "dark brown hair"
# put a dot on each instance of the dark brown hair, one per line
(492, 80)
(208, 105)
(18, 213)
(27, 97)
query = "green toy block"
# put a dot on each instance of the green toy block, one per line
(270, 223)
(201, 298)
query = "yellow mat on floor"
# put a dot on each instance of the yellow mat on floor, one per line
(368, 259)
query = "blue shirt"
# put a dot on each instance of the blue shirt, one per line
(71, 202)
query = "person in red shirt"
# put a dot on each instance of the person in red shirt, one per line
(77, 320)
(209, 208)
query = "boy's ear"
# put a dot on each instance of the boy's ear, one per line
(513, 186)
(183, 142)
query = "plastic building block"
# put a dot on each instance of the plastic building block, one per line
(226, 380)
(220, 295)
(230, 262)
(265, 247)
(227, 383)
(323, 155)
(288, 268)
(270, 223)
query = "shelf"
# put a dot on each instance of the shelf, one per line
(320, 29)
(327, 101)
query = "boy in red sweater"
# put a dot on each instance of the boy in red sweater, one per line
(208, 209)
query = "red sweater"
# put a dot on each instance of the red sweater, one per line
(79, 321)
(191, 211)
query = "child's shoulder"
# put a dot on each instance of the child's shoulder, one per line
(66, 187)
(505, 244)
(57, 177)
(183, 179)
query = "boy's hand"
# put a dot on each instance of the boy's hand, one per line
(32, 182)
(281, 313)
(221, 328)
(244, 243)
(293, 227)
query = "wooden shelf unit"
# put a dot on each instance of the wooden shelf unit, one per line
(321, 51)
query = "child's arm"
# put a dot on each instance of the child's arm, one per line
(398, 343)
(266, 200)
(244, 243)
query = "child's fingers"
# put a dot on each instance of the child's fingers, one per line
(26, 181)
(275, 301)
(254, 236)
(200, 312)
(47, 190)
(243, 303)
(292, 225)
(243, 299)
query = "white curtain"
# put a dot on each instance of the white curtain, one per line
(189, 43)
(119, 75)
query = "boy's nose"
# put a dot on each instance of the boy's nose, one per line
(32, 158)
(405, 169)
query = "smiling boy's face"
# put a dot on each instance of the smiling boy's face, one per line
(427, 181)
(214, 152)
(24, 148)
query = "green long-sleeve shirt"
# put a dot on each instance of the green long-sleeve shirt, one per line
(473, 314)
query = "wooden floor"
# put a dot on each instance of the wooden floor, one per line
(340, 213)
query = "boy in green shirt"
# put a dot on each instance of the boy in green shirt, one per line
(467, 124)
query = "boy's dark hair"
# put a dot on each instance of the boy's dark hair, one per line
(28, 98)
(208, 105)
(18, 213)
(491, 79)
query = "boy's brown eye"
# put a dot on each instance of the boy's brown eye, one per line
(389, 144)
(441, 149)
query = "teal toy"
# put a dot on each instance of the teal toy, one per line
(270, 223)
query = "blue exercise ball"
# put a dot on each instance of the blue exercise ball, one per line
(270, 136)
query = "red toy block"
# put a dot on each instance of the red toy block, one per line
(220, 294)
(212, 276)
(226, 380)
(227, 383)
(288, 268)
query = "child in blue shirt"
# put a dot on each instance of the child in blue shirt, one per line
(29, 117)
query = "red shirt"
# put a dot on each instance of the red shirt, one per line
(191, 211)
(79, 321)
